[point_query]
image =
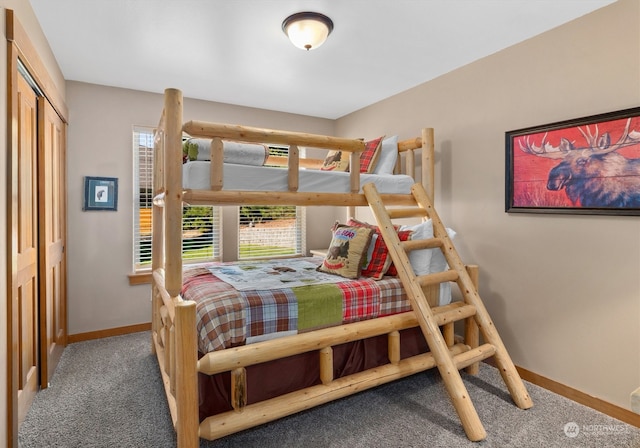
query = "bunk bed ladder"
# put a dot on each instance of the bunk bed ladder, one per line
(447, 363)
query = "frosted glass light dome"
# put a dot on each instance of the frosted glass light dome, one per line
(307, 30)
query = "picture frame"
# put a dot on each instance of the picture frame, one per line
(588, 165)
(100, 193)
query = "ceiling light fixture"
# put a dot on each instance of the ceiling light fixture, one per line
(307, 30)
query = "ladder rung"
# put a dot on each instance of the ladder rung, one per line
(395, 213)
(452, 312)
(474, 355)
(428, 243)
(437, 277)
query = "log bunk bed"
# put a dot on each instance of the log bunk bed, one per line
(405, 343)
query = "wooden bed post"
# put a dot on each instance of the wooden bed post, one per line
(173, 191)
(185, 349)
(186, 375)
(427, 162)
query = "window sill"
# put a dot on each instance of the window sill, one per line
(319, 252)
(140, 278)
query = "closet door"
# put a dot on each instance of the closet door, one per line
(52, 232)
(24, 223)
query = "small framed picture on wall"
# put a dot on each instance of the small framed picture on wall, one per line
(100, 193)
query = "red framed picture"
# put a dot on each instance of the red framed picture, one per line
(589, 165)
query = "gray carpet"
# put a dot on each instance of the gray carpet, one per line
(108, 393)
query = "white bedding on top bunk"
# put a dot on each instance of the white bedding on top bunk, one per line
(196, 176)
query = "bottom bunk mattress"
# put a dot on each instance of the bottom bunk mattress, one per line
(244, 302)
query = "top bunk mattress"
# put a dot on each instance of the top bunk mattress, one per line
(196, 175)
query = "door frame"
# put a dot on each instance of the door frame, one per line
(19, 48)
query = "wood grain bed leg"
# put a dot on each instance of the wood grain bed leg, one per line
(394, 347)
(187, 425)
(326, 365)
(471, 331)
(448, 333)
(239, 388)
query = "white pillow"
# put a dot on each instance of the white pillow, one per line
(426, 261)
(420, 259)
(438, 262)
(388, 156)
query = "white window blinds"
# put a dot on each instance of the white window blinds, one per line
(202, 235)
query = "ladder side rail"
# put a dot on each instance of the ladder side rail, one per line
(437, 344)
(470, 294)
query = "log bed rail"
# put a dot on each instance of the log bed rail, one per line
(174, 320)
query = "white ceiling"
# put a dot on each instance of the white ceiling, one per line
(234, 51)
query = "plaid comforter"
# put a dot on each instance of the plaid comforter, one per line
(227, 317)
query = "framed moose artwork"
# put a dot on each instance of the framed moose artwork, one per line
(589, 165)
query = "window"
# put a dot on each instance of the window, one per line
(271, 230)
(200, 225)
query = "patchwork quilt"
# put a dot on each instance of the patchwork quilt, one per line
(227, 317)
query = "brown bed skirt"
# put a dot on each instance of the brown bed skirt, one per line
(279, 377)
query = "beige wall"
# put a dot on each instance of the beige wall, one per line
(100, 144)
(26, 17)
(564, 291)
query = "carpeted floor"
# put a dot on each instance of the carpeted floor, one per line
(108, 393)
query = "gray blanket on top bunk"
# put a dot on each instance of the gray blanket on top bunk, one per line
(234, 152)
